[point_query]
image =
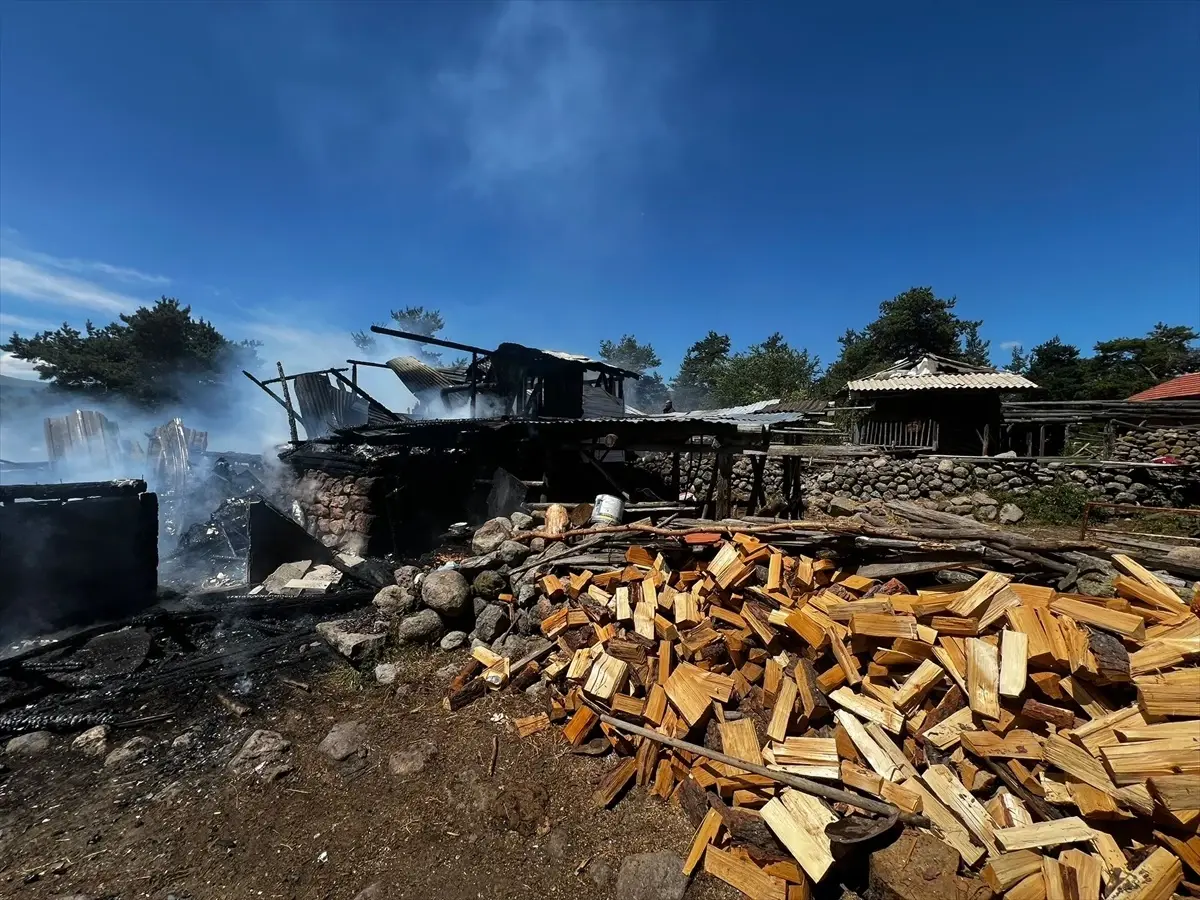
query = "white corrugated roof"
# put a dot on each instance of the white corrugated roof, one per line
(1009, 381)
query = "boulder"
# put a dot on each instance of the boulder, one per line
(651, 876)
(344, 740)
(473, 565)
(489, 585)
(385, 673)
(93, 742)
(446, 591)
(354, 645)
(921, 867)
(1187, 556)
(1011, 514)
(986, 513)
(408, 577)
(526, 595)
(521, 521)
(492, 622)
(394, 600)
(404, 763)
(29, 744)
(844, 506)
(979, 498)
(491, 535)
(130, 751)
(265, 754)
(512, 552)
(453, 640)
(420, 627)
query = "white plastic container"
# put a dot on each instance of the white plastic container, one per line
(608, 510)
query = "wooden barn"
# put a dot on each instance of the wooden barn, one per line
(934, 404)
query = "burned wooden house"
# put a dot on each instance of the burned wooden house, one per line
(934, 404)
(510, 381)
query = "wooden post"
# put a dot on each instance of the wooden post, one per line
(757, 492)
(675, 477)
(287, 402)
(1029, 443)
(723, 476)
(1042, 439)
(987, 433)
(474, 360)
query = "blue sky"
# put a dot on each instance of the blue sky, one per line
(560, 173)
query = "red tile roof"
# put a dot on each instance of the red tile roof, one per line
(1178, 388)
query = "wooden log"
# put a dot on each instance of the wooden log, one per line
(705, 835)
(1044, 834)
(1155, 879)
(614, 782)
(917, 686)
(1175, 694)
(1126, 625)
(781, 713)
(1006, 869)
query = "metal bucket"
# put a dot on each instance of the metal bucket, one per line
(608, 510)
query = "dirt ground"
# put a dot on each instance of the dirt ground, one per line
(177, 824)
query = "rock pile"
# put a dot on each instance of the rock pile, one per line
(1143, 446)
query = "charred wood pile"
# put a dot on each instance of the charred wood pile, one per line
(799, 688)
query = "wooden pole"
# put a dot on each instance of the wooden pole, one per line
(832, 794)
(675, 477)
(287, 403)
(724, 485)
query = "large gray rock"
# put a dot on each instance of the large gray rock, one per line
(446, 591)
(1011, 514)
(651, 876)
(513, 552)
(394, 600)
(386, 673)
(29, 744)
(844, 506)
(354, 645)
(521, 521)
(407, 577)
(130, 751)
(420, 627)
(491, 535)
(492, 622)
(453, 640)
(979, 498)
(93, 742)
(344, 740)
(265, 754)
(404, 763)
(489, 585)
(527, 595)
(1187, 556)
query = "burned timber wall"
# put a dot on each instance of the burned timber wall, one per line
(956, 484)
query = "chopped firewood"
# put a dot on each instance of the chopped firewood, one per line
(946, 734)
(809, 757)
(580, 726)
(1052, 875)
(1175, 694)
(1006, 869)
(865, 707)
(527, 725)
(876, 757)
(918, 685)
(1044, 834)
(799, 821)
(1176, 792)
(614, 782)
(705, 835)
(883, 625)
(848, 664)
(1044, 712)
(1032, 887)
(1082, 872)
(1124, 624)
(952, 831)
(743, 875)
(1155, 879)
(1017, 744)
(979, 593)
(1014, 656)
(781, 713)
(1137, 762)
(948, 789)
(607, 676)
(983, 678)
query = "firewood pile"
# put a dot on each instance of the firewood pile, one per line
(795, 706)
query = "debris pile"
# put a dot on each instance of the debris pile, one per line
(795, 703)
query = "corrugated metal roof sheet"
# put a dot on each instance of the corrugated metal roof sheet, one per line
(1182, 387)
(1006, 381)
(420, 377)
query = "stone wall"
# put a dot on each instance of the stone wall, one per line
(1143, 446)
(966, 485)
(962, 485)
(337, 510)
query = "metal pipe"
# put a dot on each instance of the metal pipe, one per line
(425, 339)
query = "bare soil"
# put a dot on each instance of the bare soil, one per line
(178, 824)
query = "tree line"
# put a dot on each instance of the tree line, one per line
(161, 355)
